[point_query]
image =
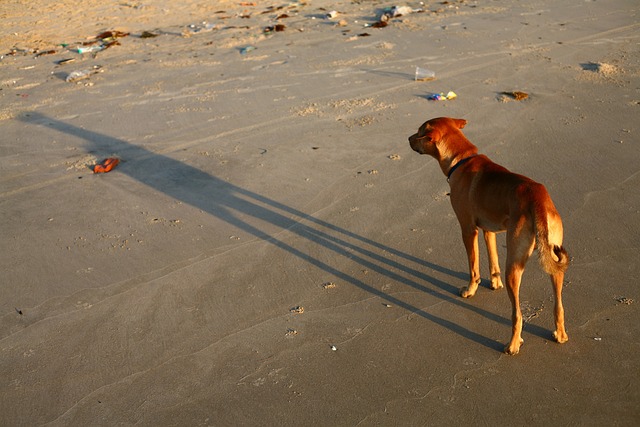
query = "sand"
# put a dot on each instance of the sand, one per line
(269, 250)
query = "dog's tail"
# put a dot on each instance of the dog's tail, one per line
(553, 257)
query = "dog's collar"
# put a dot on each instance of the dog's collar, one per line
(460, 163)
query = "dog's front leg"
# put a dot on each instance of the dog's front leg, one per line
(470, 238)
(494, 266)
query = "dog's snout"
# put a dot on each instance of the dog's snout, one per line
(413, 142)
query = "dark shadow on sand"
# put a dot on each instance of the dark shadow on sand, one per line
(225, 200)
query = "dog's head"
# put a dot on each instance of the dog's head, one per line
(431, 133)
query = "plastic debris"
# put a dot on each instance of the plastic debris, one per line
(77, 75)
(398, 11)
(297, 310)
(106, 165)
(442, 96)
(203, 27)
(247, 49)
(331, 15)
(334, 348)
(90, 49)
(102, 41)
(392, 12)
(423, 75)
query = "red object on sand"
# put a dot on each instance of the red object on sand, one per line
(106, 165)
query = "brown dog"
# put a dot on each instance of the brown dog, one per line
(487, 196)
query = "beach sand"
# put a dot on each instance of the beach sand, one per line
(270, 251)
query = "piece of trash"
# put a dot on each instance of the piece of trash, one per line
(203, 27)
(423, 75)
(388, 305)
(111, 35)
(46, 52)
(291, 332)
(624, 300)
(331, 15)
(597, 339)
(379, 24)
(19, 311)
(297, 310)
(442, 96)
(275, 28)
(102, 41)
(329, 285)
(392, 12)
(334, 348)
(148, 35)
(247, 49)
(65, 61)
(394, 156)
(602, 68)
(106, 165)
(398, 11)
(90, 49)
(74, 76)
(517, 95)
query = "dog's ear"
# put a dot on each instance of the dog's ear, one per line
(460, 123)
(432, 134)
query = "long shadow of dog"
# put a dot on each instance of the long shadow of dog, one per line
(225, 200)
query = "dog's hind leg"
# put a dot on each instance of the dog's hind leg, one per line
(494, 266)
(553, 257)
(514, 275)
(520, 244)
(560, 334)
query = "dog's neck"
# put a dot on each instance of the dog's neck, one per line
(459, 163)
(453, 151)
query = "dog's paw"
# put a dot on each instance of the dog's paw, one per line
(514, 347)
(561, 337)
(469, 291)
(496, 283)
(466, 292)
